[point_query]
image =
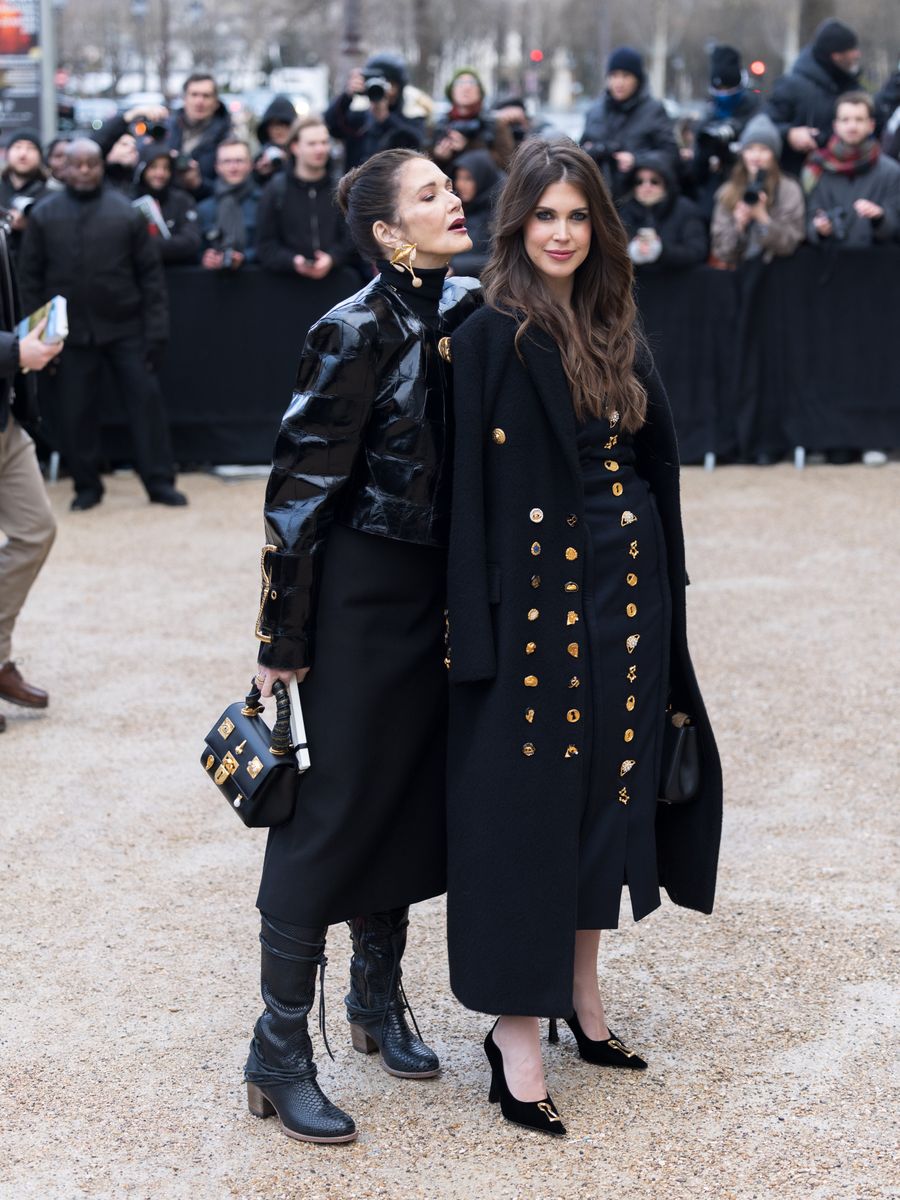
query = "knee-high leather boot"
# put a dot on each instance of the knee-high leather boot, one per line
(376, 1002)
(280, 1073)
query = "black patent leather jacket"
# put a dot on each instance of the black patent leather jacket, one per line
(363, 443)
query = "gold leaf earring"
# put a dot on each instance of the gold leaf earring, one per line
(402, 260)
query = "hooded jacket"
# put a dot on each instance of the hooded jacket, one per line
(637, 124)
(677, 220)
(489, 179)
(184, 244)
(281, 109)
(807, 96)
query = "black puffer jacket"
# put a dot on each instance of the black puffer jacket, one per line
(677, 220)
(806, 97)
(637, 124)
(362, 443)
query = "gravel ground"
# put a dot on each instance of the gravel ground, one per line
(129, 975)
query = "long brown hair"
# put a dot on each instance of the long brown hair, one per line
(598, 347)
(734, 189)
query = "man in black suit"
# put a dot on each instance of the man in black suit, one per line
(88, 244)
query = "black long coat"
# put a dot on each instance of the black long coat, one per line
(517, 542)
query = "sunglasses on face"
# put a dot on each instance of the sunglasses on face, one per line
(648, 181)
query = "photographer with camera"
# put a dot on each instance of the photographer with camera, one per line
(759, 212)
(25, 515)
(228, 219)
(852, 188)
(176, 206)
(381, 123)
(665, 229)
(23, 181)
(730, 106)
(468, 127)
(274, 136)
(91, 246)
(626, 121)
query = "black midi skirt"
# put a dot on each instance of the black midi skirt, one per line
(368, 830)
(628, 618)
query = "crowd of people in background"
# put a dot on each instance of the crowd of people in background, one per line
(747, 180)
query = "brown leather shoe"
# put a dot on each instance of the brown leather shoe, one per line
(14, 689)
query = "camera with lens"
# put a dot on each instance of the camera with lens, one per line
(215, 240)
(716, 137)
(140, 127)
(470, 128)
(376, 85)
(755, 189)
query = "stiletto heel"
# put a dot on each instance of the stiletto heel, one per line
(258, 1104)
(540, 1115)
(607, 1053)
(361, 1040)
(553, 1034)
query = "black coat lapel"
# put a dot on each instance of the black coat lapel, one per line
(544, 366)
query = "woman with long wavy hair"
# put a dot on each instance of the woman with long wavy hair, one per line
(567, 640)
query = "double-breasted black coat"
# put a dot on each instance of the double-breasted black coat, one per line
(515, 786)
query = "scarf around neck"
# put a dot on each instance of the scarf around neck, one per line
(230, 212)
(837, 158)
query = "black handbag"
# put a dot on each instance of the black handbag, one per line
(254, 767)
(680, 776)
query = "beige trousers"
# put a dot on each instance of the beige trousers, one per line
(27, 521)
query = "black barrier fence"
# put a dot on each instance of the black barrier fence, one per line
(800, 352)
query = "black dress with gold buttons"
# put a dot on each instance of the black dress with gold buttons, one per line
(627, 614)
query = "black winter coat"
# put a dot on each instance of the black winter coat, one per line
(807, 96)
(96, 252)
(204, 153)
(677, 220)
(33, 190)
(299, 217)
(489, 179)
(180, 214)
(17, 391)
(363, 136)
(364, 443)
(513, 818)
(637, 124)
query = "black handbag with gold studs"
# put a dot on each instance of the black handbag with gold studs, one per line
(254, 767)
(680, 779)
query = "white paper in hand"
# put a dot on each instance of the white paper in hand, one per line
(298, 729)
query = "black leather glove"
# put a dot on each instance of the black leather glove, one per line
(155, 355)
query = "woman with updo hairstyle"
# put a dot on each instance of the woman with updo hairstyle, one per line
(353, 598)
(570, 674)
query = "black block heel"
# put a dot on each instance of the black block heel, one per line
(540, 1115)
(608, 1053)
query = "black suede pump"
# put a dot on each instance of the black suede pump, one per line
(607, 1053)
(540, 1115)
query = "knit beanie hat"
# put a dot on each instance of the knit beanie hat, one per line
(448, 90)
(725, 68)
(832, 37)
(760, 130)
(626, 59)
(25, 135)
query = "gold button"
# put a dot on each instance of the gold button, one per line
(628, 518)
(617, 489)
(630, 703)
(574, 682)
(531, 681)
(628, 735)
(631, 609)
(535, 549)
(444, 349)
(536, 515)
(571, 553)
(573, 649)
(571, 520)
(533, 614)
(623, 796)
(571, 617)
(529, 715)
(530, 647)
(528, 750)
(611, 464)
(626, 766)
(571, 587)
(631, 579)
(571, 752)
(573, 715)
(499, 436)
(535, 581)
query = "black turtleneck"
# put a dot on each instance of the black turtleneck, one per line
(422, 300)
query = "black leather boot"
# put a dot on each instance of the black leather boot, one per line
(280, 1073)
(376, 1002)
